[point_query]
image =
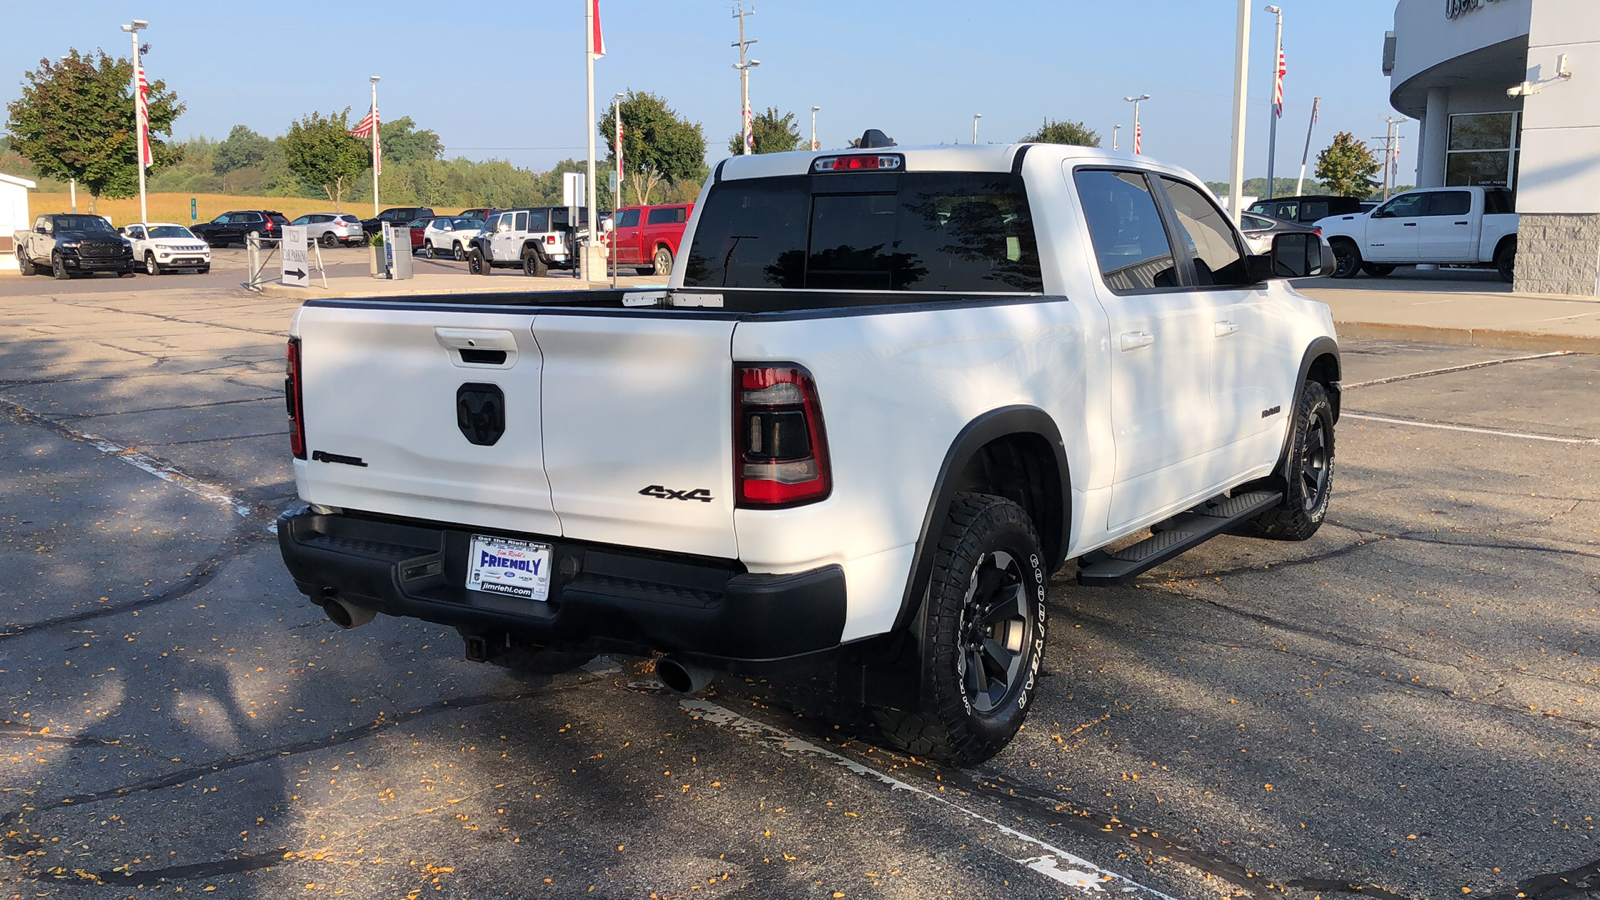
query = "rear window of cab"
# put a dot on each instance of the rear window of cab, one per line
(960, 232)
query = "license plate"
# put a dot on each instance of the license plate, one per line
(509, 567)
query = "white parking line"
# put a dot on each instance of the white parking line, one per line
(1489, 431)
(144, 463)
(1055, 863)
(1449, 369)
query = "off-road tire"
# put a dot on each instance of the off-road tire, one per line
(25, 264)
(1505, 261)
(58, 269)
(1375, 270)
(476, 264)
(1306, 478)
(987, 564)
(1346, 258)
(151, 267)
(663, 261)
(533, 265)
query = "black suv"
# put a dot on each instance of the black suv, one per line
(231, 227)
(397, 216)
(1307, 209)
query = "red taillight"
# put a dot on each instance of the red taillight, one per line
(1318, 230)
(780, 446)
(294, 402)
(550, 239)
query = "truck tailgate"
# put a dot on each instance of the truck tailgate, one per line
(383, 432)
(618, 427)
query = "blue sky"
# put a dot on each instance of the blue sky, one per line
(505, 80)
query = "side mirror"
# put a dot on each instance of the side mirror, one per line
(607, 225)
(1301, 255)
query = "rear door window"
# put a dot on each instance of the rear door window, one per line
(1449, 203)
(521, 223)
(917, 231)
(1130, 241)
(1312, 210)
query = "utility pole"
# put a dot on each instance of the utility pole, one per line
(376, 165)
(1391, 150)
(744, 67)
(1299, 186)
(814, 109)
(1241, 92)
(1277, 108)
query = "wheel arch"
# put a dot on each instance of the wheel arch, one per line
(1510, 239)
(1014, 452)
(1320, 363)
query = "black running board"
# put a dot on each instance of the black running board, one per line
(1176, 535)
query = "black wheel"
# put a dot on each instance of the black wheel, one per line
(982, 633)
(58, 269)
(1346, 259)
(644, 270)
(663, 261)
(151, 267)
(1505, 261)
(476, 264)
(1307, 477)
(125, 273)
(25, 264)
(427, 249)
(534, 265)
(204, 270)
(456, 252)
(329, 240)
(1375, 270)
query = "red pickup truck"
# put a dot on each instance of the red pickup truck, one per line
(647, 237)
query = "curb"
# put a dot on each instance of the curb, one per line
(1469, 337)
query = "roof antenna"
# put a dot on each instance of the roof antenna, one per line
(872, 138)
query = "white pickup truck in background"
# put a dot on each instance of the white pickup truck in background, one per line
(886, 394)
(1458, 226)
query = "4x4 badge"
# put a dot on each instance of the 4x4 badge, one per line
(661, 493)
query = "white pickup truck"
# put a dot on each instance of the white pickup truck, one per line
(1459, 226)
(887, 394)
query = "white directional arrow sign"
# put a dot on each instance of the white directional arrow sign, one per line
(293, 254)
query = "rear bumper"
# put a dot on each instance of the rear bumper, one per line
(601, 597)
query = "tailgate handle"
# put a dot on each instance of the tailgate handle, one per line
(478, 347)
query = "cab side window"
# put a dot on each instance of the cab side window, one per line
(1218, 259)
(1405, 206)
(1130, 243)
(630, 219)
(1449, 203)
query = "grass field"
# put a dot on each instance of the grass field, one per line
(175, 207)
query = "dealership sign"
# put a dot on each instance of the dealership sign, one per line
(1455, 9)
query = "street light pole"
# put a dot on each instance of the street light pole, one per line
(374, 80)
(814, 127)
(1116, 132)
(1241, 69)
(975, 118)
(141, 127)
(1272, 139)
(1138, 132)
(616, 195)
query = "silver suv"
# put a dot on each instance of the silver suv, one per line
(330, 229)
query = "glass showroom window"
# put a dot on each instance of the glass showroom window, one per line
(1484, 149)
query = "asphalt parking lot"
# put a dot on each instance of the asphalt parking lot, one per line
(1402, 707)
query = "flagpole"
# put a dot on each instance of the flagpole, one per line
(1299, 186)
(1241, 72)
(375, 163)
(588, 126)
(140, 117)
(1277, 108)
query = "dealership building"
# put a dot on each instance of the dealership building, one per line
(1507, 94)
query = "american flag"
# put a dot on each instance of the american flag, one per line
(365, 129)
(1138, 139)
(1277, 86)
(145, 156)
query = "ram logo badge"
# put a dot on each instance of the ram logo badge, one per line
(661, 493)
(1267, 413)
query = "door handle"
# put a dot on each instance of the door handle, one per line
(1410, 224)
(1133, 340)
(1225, 328)
(1463, 223)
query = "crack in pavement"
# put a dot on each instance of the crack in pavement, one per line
(134, 412)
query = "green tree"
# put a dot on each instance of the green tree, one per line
(244, 149)
(403, 143)
(658, 146)
(1063, 132)
(1347, 167)
(75, 119)
(770, 133)
(321, 150)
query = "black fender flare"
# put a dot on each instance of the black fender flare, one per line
(538, 250)
(992, 425)
(1322, 346)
